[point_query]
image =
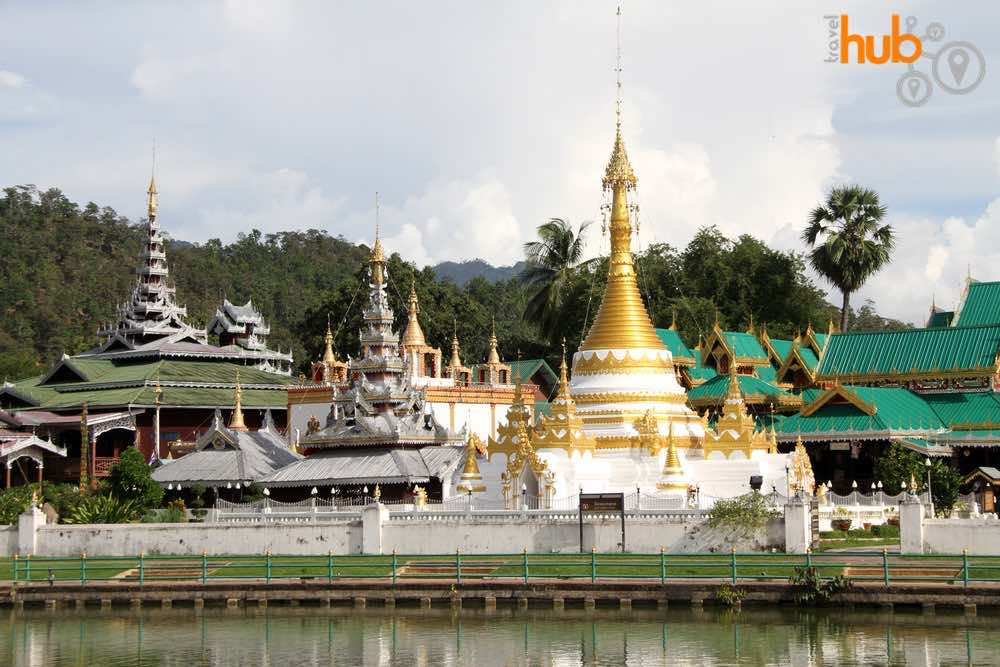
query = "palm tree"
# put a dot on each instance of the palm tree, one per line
(551, 262)
(848, 241)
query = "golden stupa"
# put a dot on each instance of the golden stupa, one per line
(623, 371)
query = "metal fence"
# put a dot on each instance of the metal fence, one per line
(882, 568)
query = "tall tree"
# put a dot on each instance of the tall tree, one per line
(848, 241)
(551, 262)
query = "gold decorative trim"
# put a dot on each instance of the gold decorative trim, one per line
(841, 392)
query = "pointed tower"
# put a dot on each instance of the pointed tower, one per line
(493, 371)
(623, 369)
(152, 314)
(472, 478)
(672, 479)
(423, 361)
(462, 375)
(329, 369)
(236, 422)
(380, 358)
(563, 429)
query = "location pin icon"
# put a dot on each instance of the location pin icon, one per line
(958, 62)
(914, 86)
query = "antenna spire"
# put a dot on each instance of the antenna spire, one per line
(618, 70)
(376, 215)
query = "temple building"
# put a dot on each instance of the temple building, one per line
(379, 428)
(153, 380)
(622, 421)
(932, 390)
(460, 397)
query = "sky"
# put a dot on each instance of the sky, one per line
(476, 122)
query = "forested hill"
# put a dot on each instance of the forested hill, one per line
(65, 267)
(461, 273)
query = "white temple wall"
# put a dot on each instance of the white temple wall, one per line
(481, 419)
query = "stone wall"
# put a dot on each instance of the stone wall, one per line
(980, 536)
(377, 530)
(8, 540)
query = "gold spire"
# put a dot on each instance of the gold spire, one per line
(622, 321)
(151, 200)
(377, 260)
(750, 329)
(494, 356)
(563, 377)
(328, 355)
(414, 335)
(673, 319)
(734, 384)
(236, 421)
(672, 477)
(456, 359)
(151, 193)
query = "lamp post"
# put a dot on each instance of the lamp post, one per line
(930, 496)
(524, 496)
(881, 495)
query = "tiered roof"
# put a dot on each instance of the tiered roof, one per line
(980, 304)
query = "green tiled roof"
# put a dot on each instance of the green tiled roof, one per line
(699, 372)
(909, 352)
(966, 409)
(683, 356)
(119, 383)
(527, 368)
(767, 374)
(940, 318)
(821, 339)
(981, 305)
(896, 411)
(745, 345)
(755, 391)
(809, 357)
(781, 347)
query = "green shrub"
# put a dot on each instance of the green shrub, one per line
(833, 535)
(812, 590)
(129, 480)
(165, 515)
(858, 532)
(730, 595)
(749, 512)
(104, 509)
(885, 531)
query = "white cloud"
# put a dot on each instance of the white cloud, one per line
(11, 79)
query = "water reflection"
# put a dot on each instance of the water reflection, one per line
(285, 637)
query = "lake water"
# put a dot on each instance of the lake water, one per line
(287, 637)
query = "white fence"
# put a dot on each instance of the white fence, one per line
(874, 509)
(322, 510)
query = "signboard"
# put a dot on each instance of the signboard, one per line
(840, 446)
(602, 502)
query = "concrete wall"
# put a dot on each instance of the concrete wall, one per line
(980, 536)
(193, 539)
(8, 540)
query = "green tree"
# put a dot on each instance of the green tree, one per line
(848, 241)
(129, 480)
(551, 262)
(898, 464)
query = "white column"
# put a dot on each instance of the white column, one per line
(798, 529)
(27, 530)
(911, 525)
(372, 518)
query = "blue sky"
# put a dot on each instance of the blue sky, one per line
(478, 121)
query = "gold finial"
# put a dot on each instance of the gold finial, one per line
(494, 356)
(151, 194)
(378, 492)
(329, 357)
(157, 389)
(414, 335)
(734, 383)
(673, 319)
(378, 253)
(236, 421)
(456, 359)
(750, 328)
(472, 478)
(563, 377)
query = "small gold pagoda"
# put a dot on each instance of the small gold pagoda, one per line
(329, 370)
(472, 478)
(493, 371)
(736, 431)
(518, 418)
(462, 375)
(563, 429)
(672, 479)
(236, 422)
(423, 359)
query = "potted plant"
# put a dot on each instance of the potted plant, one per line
(892, 516)
(841, 519)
